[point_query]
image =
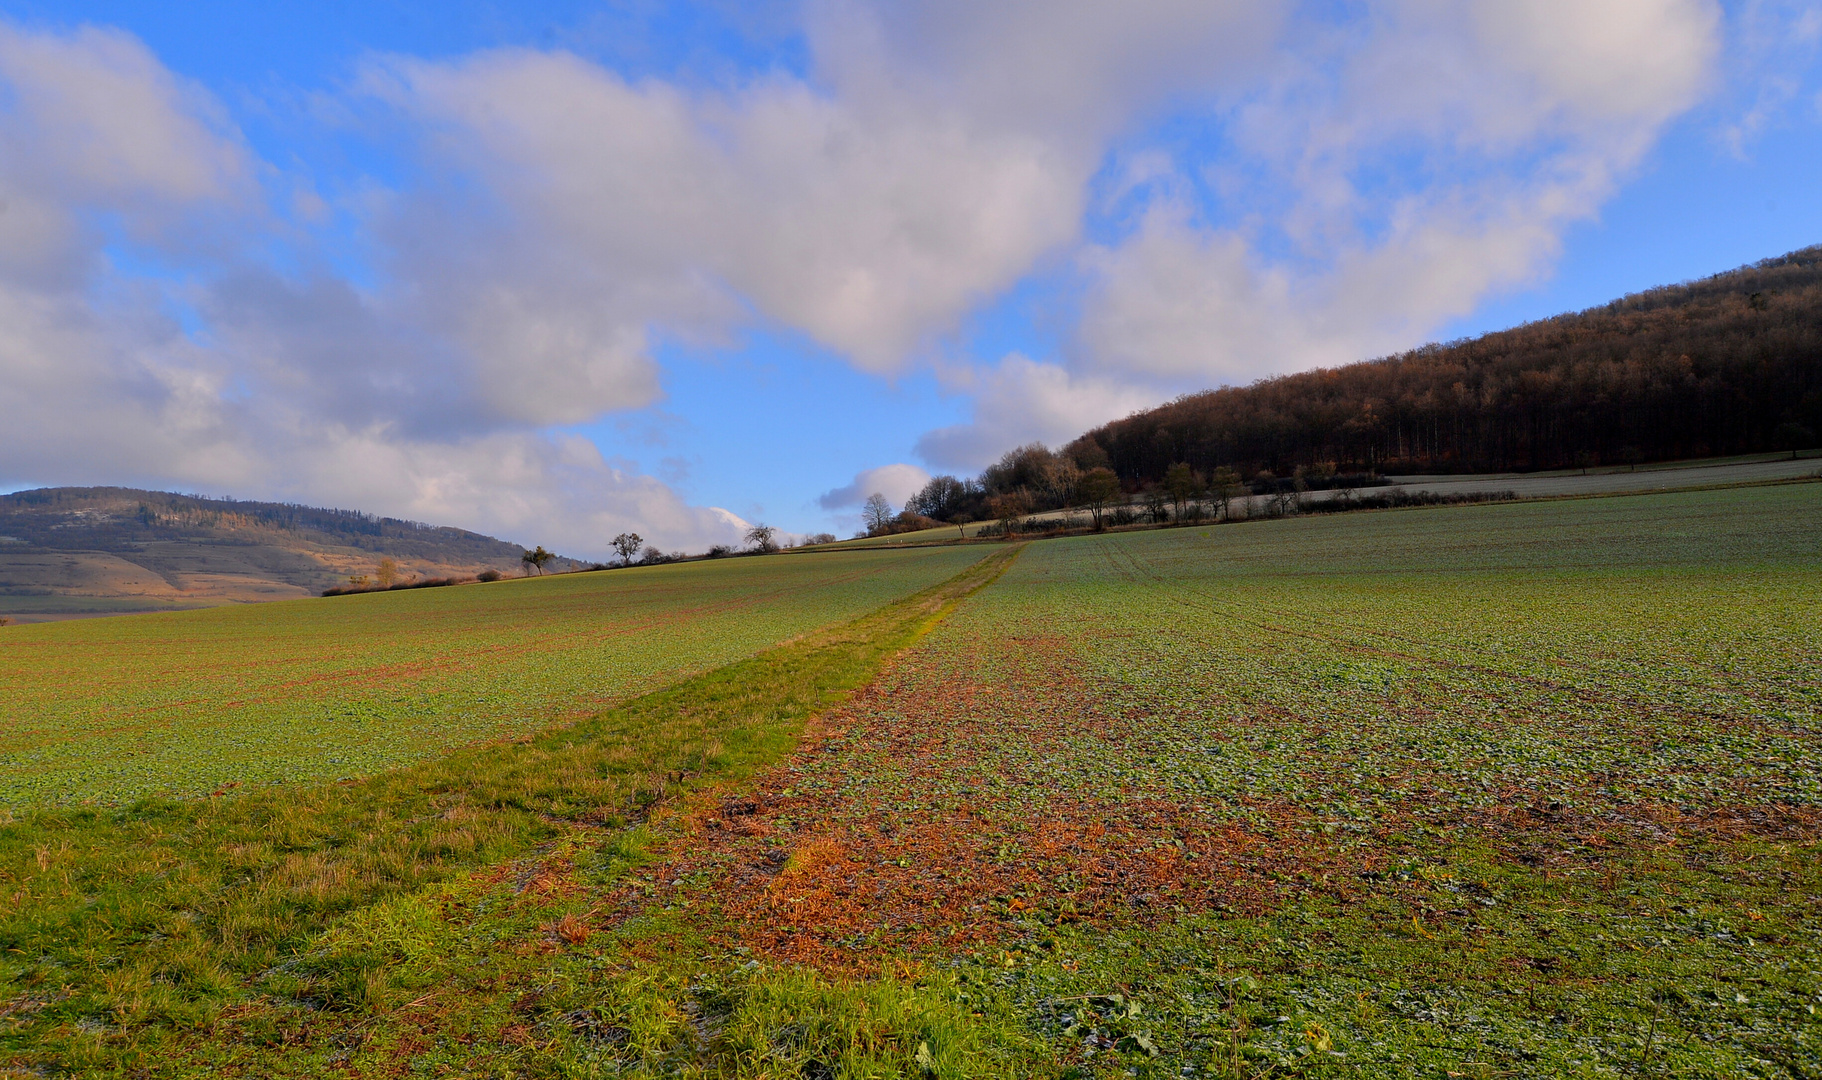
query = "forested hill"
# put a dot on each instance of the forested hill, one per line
(74, 551)
(1731, 364)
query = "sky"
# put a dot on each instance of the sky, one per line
(557, 271)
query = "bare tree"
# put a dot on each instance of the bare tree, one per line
(878, 514)
(628, 544)
(1182, 484)
(1157, 506)
(1008, 508)
(762, 538)
(537, 559)
(1057, 480)
(1225, 484)
(1096, 489)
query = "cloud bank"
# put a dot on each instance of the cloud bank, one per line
(174, 316)
(897, 482)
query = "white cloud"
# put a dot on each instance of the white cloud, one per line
(93, 118)
(1074, 72)
(1021, 401)
(554, 491)
(1525, 115)
(612, 207)
(312, 391)
(937, 153)
(102, 118)
(1376, 175)
(1774, 57)
(1622, 61)
(896, 482)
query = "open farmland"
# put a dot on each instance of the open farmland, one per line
(1523, 789)
(1519, 789)
(188, 703)
(1535, 786)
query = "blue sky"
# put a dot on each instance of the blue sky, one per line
(552, 271)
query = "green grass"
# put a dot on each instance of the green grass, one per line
(326, 689)
(1517, 784)
(134, 934)
(1526, 789)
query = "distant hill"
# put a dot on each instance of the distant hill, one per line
(75, 551)
(1728, 365)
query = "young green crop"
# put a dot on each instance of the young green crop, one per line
(1515, 789)
(326, 689)
(1521, 789)
(133, 936)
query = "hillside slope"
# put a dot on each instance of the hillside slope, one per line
(75, 551)
(1727, 365)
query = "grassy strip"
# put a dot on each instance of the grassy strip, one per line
(125, 932)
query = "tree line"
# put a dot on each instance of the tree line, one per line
(1728, 365)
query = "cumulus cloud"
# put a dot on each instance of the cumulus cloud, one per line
(1321, 243)
(896, 482)
(1526, 115)
(1021, 401)
(309, 390)
(935, 154)
(558, 218)
(613, 207)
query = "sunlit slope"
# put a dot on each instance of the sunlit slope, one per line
(1343, 678)
(330, 688)
(1367, 795)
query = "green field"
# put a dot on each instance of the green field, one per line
(110, 710)
(1524, 789)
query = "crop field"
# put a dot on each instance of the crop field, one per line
(328, 689)
(1499, 790)
(1524, 789)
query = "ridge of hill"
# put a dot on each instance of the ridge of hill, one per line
(1728, 365)
(107, 550)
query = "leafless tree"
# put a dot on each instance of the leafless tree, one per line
(627, 544)
(1096, 489)
(878, 514)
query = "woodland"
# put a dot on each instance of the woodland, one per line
(1727, 365)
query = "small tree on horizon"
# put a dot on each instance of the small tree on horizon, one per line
(537, 558)
(762, 538)
(627, 544)
(877, 513)
(1793, 436)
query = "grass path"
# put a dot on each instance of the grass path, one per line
(193, 931)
